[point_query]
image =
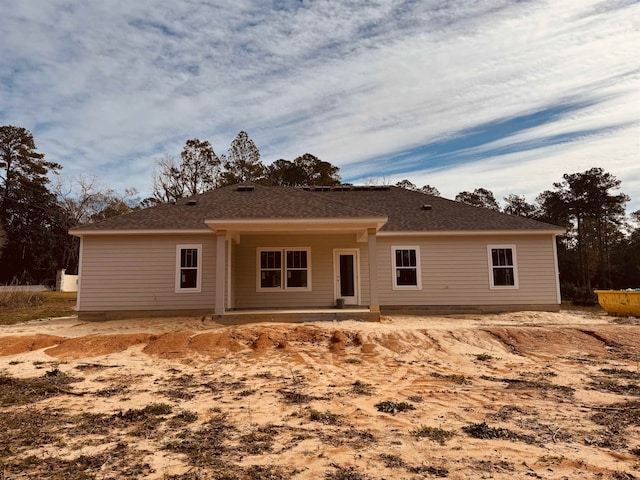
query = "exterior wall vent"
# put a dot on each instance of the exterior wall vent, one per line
(245, 188)
(426, 207)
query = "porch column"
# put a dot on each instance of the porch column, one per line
(221, 277)
(374, 304)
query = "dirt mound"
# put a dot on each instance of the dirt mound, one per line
(623, 341)
(542, 341)
(614, 334)
(340, 340)
(305, 334)
(28, 343)
(94, 345)
(169, 345)
(268, 341)
(393, 342)
(215, 345)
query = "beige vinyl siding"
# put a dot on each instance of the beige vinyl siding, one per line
(138, 272)
(322, 275)
(455, 271)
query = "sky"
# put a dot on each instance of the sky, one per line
(458, 94)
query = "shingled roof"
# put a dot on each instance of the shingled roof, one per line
(406, 210)
(410, 210)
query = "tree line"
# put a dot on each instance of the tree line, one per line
(600, 250)
(200, 169)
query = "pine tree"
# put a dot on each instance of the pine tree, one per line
(243, 162)
(29, 214)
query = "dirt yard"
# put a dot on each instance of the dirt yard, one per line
(512, 396)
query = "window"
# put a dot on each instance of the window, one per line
(297, 268)
(406, 268)
(271, 269)
(284, 268)
(503, 266)
(188, 268)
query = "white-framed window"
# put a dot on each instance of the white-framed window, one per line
(406, 267)
(270, 269)
(283, 268)
(188, 268)
(503, 266)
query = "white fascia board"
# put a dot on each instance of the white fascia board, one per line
(290, 224)
(82, 233)
(448, 233)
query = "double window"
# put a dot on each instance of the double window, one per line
(503, 266)
(406, 268)
(284, 268)
(188, 268)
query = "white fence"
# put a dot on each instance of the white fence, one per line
(22, 288)
(66, 283)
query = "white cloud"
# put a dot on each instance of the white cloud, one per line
(106, 87)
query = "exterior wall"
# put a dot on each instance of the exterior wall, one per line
(322, 274)
(138, 273)
(455, 271)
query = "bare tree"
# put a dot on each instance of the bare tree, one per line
(197, 172)
(168, 180)
(84, 200)
(376, 182)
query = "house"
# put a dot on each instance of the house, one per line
(249, 247)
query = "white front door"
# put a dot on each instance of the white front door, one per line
(346, 269)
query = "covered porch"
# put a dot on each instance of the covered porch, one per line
(296, 269)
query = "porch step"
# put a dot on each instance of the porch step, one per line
(238, 317)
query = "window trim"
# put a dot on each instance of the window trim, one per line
(394, 275)
(198, 248)
(283, 269)
(514, 256)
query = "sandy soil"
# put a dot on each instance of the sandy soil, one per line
(521, 395)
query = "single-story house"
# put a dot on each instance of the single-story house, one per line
(250, 247)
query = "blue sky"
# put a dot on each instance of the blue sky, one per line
(505, 95)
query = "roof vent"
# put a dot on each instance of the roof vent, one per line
(426, 207)
(245, 188)
(192, 202)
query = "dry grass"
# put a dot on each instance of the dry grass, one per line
(436, 434)
(25, 391)
(24, 306)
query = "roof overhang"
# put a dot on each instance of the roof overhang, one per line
(308, 225)
(78, 232)
(467, 233)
